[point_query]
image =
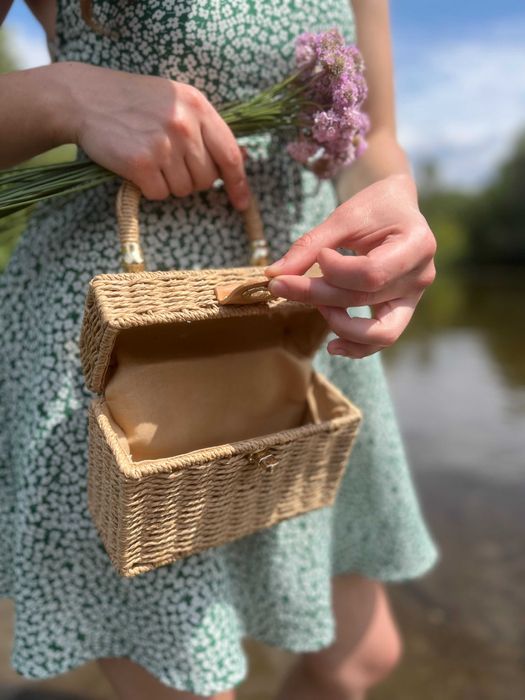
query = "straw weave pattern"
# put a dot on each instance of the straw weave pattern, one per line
(118, 301)
(155, 512)
(152, 512)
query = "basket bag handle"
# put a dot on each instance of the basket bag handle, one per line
(128, 201)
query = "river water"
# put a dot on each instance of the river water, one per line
(458, 382)
(458, 376)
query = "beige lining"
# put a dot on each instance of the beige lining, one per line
(235, 378)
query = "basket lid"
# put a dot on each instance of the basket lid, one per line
(118, 302)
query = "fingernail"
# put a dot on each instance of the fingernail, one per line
(271, 269)
(277, 288)
(334, 350)
(337, 349)
(243, 202)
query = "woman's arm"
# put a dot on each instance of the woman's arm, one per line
(33, 113)
(384, 156)
(163, 135)
(379, 219)
(32, 101)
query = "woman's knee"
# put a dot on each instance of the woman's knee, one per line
(359, 672)
(367, 647)
(377, 660)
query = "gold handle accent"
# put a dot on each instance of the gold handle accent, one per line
(265, 459)
(127, 206)
(128, 200)
(260, 252)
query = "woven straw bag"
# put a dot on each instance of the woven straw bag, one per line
(210, 422)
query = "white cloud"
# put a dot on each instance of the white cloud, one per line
(462, 101)
(27, 45)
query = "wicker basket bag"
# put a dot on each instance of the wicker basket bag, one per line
(210, 423)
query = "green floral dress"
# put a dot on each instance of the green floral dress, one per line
(183, 622)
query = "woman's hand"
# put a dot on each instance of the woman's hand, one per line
(162, 135)
(392, 267)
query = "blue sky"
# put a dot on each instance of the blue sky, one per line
(460, 79)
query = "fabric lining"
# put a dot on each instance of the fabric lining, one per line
(181, 387)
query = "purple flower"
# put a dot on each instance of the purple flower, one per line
(350, 91)
(332, 123)
(302, 150)
(305, 50)
(360, 146)
(326, 126)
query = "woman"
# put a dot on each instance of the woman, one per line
(137, 96)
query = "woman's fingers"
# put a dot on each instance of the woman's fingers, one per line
(318, 292)
(354, 350)
(226, 153)
(393, 266)
(381, 267)
(390, 320)
(201, 167)
(304, 251)
(152, 184)
(177, 176)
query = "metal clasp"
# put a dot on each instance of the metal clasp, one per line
(265, 459)
(248, 291)
(257, 292)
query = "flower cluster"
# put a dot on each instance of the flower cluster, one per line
(332, 123)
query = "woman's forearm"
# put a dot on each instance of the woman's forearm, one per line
(383, 157)
(33, 113)
(163, 135)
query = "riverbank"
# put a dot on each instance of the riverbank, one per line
(464, 624)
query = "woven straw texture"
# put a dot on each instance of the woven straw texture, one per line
(119, 301)
(150, 513)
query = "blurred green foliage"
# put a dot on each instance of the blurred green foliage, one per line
(496, 224)
(9, 228)
(485, 301)
(481, 228)
(6, 62)
(446, 212)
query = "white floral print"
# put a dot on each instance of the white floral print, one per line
(183, 622)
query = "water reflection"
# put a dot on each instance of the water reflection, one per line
(458, 381)
(458, 376)
(487, 303)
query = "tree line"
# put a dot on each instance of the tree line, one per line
(486, 227)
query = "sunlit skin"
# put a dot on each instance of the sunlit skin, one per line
(167, 138)
(379, 219)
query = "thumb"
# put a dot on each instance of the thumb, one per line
(303, 253)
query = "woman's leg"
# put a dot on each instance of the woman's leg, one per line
(366, 649)
(132, 682)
